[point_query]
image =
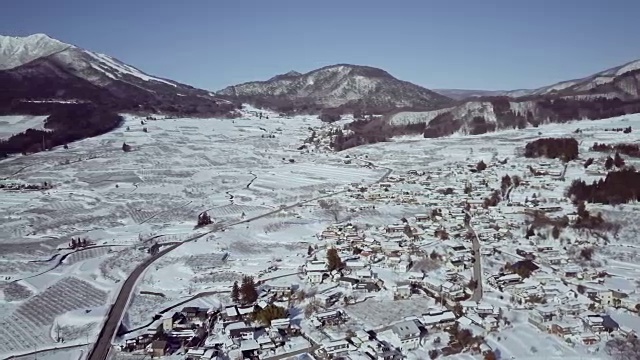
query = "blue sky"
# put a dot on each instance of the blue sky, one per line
(472, 44)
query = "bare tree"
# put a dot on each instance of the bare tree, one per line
(312, 307)
(623, 349)
(332, 208)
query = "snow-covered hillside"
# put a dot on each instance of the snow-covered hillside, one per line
(16, 51)
(566, 88)
(37, 67)
(337, 85)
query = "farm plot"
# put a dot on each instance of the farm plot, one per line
(15, 291)
(28, 327)
(11, 199)
(142, 309)
(236, 210)
(378, 313)
(312, 176)
(20, 268)
(85, 255)
(524, 341)
(217, 278)
(121, 264)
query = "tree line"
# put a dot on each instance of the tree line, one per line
(632, 150)
(66, 124)
(616, 188)
(553, 148)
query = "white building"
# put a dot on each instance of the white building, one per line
(407, 334)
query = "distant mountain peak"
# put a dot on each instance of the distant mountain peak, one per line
(38, 67)
(341, 85)
(19, 50)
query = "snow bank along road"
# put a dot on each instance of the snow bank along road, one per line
(102, 346)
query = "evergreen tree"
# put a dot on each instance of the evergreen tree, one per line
(608, 164)
(618, 161)
(235, 292)
(333, 259)
(310, 250)
(481, 166)
(248, 291)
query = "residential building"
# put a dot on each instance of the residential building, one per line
(408, 335)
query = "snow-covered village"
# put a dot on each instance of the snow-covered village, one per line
(333, 180)
(463, 247)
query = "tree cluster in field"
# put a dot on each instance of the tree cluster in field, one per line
(43, 186)
(370, 131)
(586, 220)
(632, 150)
(269, 313)
(330, 115)
(616, 188)
(623, 348)
(507, 182)
(204, 219)
(78, 243)
(616, 161)
(246, 293)
(67, 123)
(626, 130)
(492, 200)
(565, 149)
(523, 271)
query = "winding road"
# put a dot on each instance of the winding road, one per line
(102, 346)
(477, 264)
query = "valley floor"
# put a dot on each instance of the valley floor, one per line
(124, 202)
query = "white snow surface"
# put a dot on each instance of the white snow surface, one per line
(181, 167)
(113, 65)
(16, 51)
(15, 124)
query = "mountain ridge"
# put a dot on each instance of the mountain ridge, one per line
(70, 70)
(344, 86)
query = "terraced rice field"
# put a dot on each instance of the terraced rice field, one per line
(28, 326)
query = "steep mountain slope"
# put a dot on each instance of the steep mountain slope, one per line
(620, 81)
(338, 86)
(82, 92)
(16, 51)
(40, 68)
(612, 92)
(461, 94)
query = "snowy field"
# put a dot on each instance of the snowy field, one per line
(234, 169)
(15, 124)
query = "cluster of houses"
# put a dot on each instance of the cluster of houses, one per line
(560, 296)
(212, 334)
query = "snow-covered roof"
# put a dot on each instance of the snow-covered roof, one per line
(247, 345)
(406, 329)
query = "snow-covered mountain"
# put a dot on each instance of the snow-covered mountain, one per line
(342, 85)
(461, 94)
(621, 81)
(38, 67)
(16, 51)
